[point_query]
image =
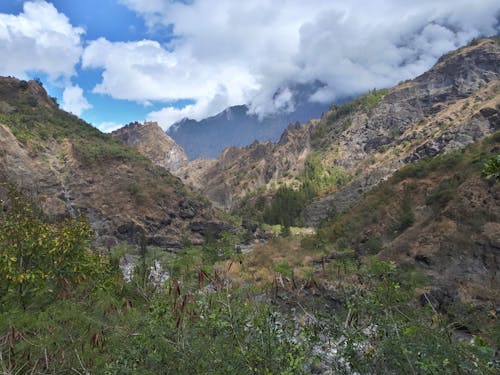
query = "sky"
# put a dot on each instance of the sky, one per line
(112, 62)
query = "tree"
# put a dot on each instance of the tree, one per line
(38, 257)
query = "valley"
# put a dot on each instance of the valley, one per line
(366, 241)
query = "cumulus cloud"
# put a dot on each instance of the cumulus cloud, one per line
(39, 39)
(252, 50)
(73, 100)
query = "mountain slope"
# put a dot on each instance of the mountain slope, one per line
(151, 141)
(240, 171)
(71, 168)
(369, 138)
(439, 215)
(454, 104)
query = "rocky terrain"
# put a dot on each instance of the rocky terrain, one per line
(448, 107)
(369, 138)
(151, 141)
(240, 171)
(71, 168)
(440, 216)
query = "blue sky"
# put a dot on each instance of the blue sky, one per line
(115, 22)
(116, 61)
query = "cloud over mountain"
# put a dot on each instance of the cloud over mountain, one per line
(351, 46)
(209, 55)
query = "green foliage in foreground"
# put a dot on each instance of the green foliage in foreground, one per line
(381, 330)
(88, 320)
(94, 322)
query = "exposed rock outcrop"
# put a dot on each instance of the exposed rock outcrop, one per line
(151, 141)
(454, 104)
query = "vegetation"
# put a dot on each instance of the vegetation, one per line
(392, 201)
(491, 169)
(288, 202)
(381, 330)
(64, 309)
(75, 313)
(33, 121)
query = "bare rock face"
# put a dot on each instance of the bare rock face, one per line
(151, 141)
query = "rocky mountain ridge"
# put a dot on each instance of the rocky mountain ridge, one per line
(236, 126)
(240, 171)
(452, 105)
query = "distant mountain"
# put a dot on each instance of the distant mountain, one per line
(236, 127)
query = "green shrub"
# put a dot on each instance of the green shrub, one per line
(491, 168)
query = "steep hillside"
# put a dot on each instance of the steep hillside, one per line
(440, 215)
(151, 141)
(454, 104)
(71, 168)
(235, 126)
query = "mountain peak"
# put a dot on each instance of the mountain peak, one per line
(14, 92)
(151, 141)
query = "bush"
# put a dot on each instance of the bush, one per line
(491, 168)
(444, 192)
(38, 258)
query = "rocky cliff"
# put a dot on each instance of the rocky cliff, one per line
(151, 141)
(71, 168)
(454, 104)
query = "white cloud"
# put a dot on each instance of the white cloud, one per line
(73, 100)
(144, 70)
(250, 50)
(203, 108)
(109, 126)
(39, 39)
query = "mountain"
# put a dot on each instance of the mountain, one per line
(452, 105)
(363, 142)
(241, 171)
(151, 141)
(439, 215)
(71, 168)
(235, 126)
